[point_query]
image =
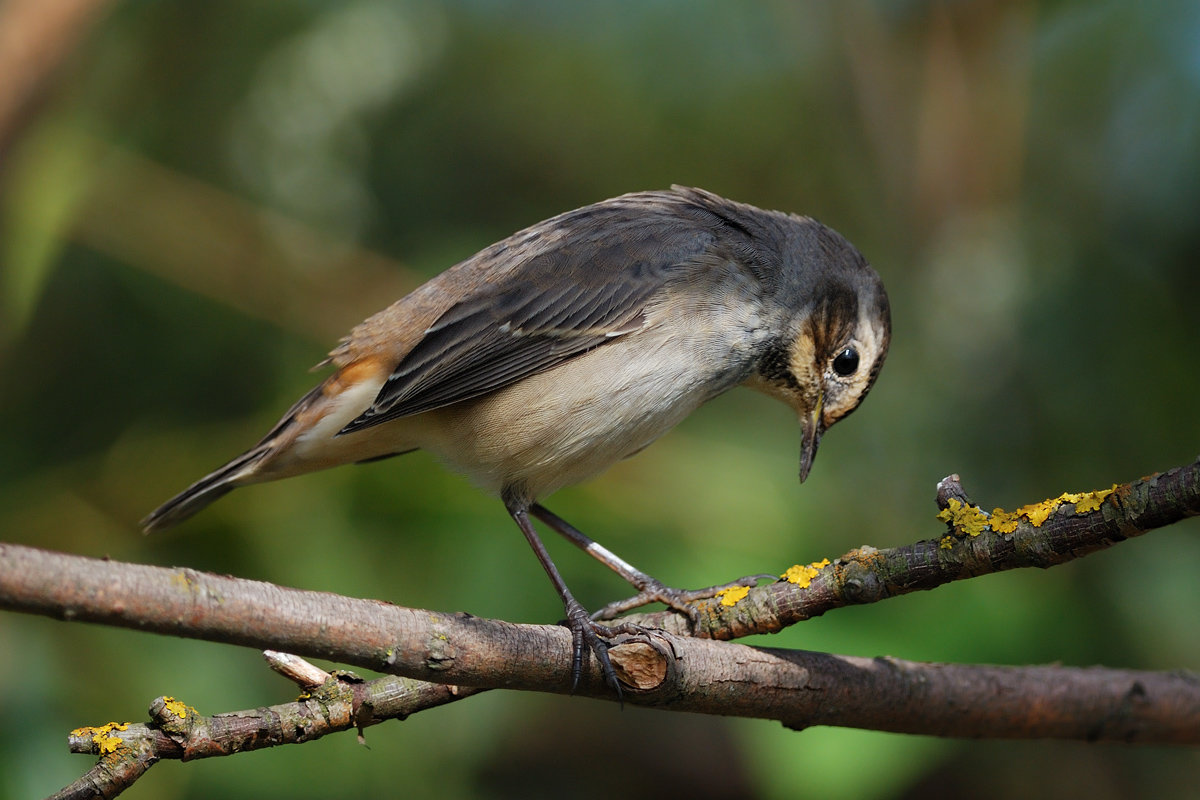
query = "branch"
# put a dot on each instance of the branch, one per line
(332, 702)
(686, 674)
(977, 543)
(681, 673)
(800, 689)
(336, 702)
(469, 651)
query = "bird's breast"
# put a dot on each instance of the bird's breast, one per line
(568, 424)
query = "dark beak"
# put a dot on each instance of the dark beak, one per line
(810, 438)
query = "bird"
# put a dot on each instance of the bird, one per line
(547, 357)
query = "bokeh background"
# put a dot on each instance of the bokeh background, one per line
(201, 197)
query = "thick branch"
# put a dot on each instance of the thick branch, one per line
(677, 673)
(804, 689)
(418, 644)
(427, 645)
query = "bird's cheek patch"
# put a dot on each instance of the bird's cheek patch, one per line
(801, 363)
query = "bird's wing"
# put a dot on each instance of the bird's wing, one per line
(543, 296)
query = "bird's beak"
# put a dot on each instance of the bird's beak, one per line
(810, 437)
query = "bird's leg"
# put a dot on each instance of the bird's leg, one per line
(583, 629)
(650, 590)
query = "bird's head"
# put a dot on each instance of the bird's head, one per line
(833, 330)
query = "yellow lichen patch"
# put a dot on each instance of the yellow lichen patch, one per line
(1084, 502)
(802, 575)
(103, 736)
(177, 707)
(1004, 521)
(1092, 500)
(1038, 512)
(946, 543)
(969, 520)
(731, 596)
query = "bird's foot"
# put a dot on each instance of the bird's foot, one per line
(680, 600)
(598, 638)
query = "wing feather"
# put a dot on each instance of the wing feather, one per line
(583, 279)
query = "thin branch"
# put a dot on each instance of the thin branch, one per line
(177, 731)
(115, 772)
(296, 669)
(1072, 526)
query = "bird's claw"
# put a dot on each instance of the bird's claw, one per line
(680, 600)
(598, 638)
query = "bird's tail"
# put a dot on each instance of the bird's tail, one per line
(242, 470)
(208, 489)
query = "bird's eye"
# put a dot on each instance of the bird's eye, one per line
(846, 362)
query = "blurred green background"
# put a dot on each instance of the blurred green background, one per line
(210, 193)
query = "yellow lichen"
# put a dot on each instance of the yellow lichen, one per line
(1038, 512)
(1093, 500)
(177, 707)
(967, 519)
(802, 575)
(971, 520)
(947, 513)
(731, 596)
(1004, 521)
(946, 543)
(102, 737)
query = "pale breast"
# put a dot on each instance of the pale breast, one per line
(572, 422)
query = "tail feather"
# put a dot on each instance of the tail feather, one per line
(238, 472)
(208, 489)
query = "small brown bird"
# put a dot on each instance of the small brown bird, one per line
(547, 357)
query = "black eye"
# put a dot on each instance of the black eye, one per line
(846, 362)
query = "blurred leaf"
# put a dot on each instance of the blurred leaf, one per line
(50, 174)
